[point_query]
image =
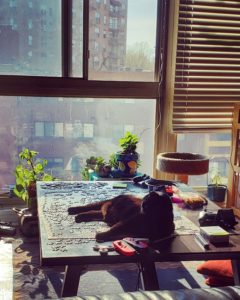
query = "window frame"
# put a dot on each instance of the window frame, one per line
(67, 86)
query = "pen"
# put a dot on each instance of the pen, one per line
(201, 240)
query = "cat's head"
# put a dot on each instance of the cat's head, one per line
(156, 201)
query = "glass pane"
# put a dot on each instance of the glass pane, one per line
(122, 39)
(217, 146)
(77, 38)
(30, 35)
(68, 131)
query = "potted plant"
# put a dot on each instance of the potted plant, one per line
(27, 173)
(216, 191)
(127, 158)
(98, 165)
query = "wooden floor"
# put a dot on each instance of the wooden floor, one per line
(6, 271)
(6, 251)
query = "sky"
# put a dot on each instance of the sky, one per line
(141, 22)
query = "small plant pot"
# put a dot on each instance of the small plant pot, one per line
(127, 164)
(28, 222)
(103, 171)
(216, 193)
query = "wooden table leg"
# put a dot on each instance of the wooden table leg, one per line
(236, 271)
(149, 275)
(71, 280)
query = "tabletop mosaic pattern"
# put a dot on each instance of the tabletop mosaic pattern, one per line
(54, 198)
(60, 229)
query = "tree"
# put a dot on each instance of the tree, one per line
(140, 55)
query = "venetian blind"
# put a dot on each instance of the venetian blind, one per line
(207, 79)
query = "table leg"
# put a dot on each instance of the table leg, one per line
(149, 275)
(236, 271)
(71, 280)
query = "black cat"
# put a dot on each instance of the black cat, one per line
(130, 216)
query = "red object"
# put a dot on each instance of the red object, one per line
(169, 189)
(216, 268)
(123, 248)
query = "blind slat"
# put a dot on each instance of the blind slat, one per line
(207, 78)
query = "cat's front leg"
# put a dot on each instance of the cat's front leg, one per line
(128, 228)
(75, 210)
(107, 236)
(92, 215)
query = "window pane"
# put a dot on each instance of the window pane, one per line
(122, 40)
(30, 35)
(39, 129)
(216, 146)
(77, 38)
(68, 131)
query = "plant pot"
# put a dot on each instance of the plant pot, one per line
(103, 171)
(127, 164)
(216, 193)
(28, 222)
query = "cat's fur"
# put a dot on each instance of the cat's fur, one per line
(130, 216)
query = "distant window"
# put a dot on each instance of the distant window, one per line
(30, 40)
(55, 162)
(49, 129)
(88, 130)
(39, 129)
(58, 132)
(30, 24)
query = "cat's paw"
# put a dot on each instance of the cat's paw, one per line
(72, 210)
(82, 218)
(101, 237)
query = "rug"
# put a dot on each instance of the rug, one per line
(31, 281)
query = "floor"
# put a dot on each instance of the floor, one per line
(6, 271)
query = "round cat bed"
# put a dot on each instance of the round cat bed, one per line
(182, 163)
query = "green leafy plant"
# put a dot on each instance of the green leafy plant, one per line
(113, 161)
(85, 173)
(128, 143)
(27, 173)
(97, 164)
(216, 179)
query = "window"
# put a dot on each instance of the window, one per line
(30, 24)
(48, 129)
(206, 80)
(132, 28)
(18, 61)
(76, 95)
(30, 40)
(88, 130)
(72, 128)
(39, 129)
(214, 146)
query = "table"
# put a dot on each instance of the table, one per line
(64, 242)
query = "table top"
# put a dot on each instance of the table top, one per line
(64, 242)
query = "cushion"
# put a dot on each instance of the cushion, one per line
(217, 281)
(216, 268)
